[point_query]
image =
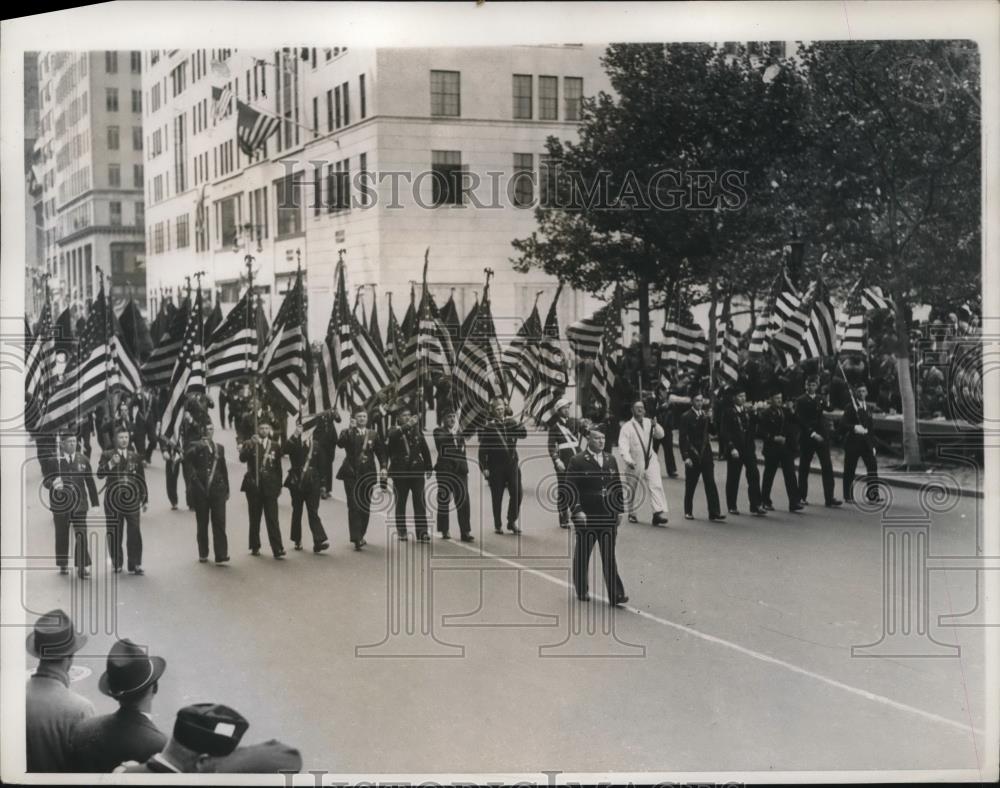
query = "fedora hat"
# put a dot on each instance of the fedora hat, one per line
(129, 670)
(53, 637)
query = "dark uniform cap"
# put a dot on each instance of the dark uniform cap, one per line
(209, 728)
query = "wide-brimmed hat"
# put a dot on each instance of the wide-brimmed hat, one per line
(129, 670)
(54, 637)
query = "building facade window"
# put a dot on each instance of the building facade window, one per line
(361, 96)
(522, 97)
(346, 92)
(573, 98)
(137, 101)
(137, 176)
(548, 98)
(258, 211)
(178, 78)
(182, 231)
(446, 94)
(135, 62)
(158, 238)
(446, 177)
(157, 189)
(180, 153)
(329, 110)
(114, 175)
(115, 213)
(111, 99)
(363, 179)
(337, 117)
(140, 214)
(137, 138)
(288, 205)
(111, 62)
(113, 138)
(524, 180)
(227, 218)
(317, 189)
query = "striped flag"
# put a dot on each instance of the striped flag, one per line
(520, 357)
(157, 369)
(853, 331)
(820, 339)
(684, 341)
(789, 339)
(552, 377)
(409, 319)
(340, 336)
(375, 330)
(584, 336)
(469, 320)
(393, 348)
(727, 346)
(322, 389)
(125, 375)
(450, 320)
(760, 339)
(87, 375)
(222, 102)
(373, 372)
(786, 303)
(253, 128)
(872, 298)
(39, 359)
(608, 353)
(188, 376)
(425, 352)
(135, 331)
(478, 369)
(213, 321)
(232, 347)
(283, 362)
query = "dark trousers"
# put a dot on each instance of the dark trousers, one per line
(701, 469)
(328, 474)
(359, 504)
(774, 459)
(139, 439)
(267, 505)
(505, 479)
(173, 471)
(150, 441)
(214, 510)
(563, 495)
(822, 452)
(77, 525)
(122, 525)
(186, 473)
(853, 451)
(406, 486)
(734, 468)
(453, 487)
(604, 537)
(667, 444)
(222, 411)
(310, 500)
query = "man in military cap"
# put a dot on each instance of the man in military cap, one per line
(696, 451)
(500, 463)
(779, 430)
(125, 494)
(859, 443)
(738, 444)
(564, 445)
(70, 481)
(306, 459)
(209, 482)
(452, 468)
(598, 503)
(814, 438)
(262, 485)
(362, 446)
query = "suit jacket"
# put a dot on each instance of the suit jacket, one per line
(737, 432)
(361, 449)
(408, 452)
(451, 457)
(852, 417)
(52, 711)
(302, 477)
(694, 436)
(774, 422)
(498, 444)
(263, 476)
(635, 442)
(99, 744)
(598, 490)
(809, 413)
(325, 435)
(269, 757)
(78, 485)
(564, 440)
(126, 486)
(206, 460)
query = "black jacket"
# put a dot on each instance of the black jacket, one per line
(560, 447)
(451, 457)
(809, 413)
(360, 452)
(598, 491)
(303, 477)
(737, 432)
(498, 444)
(852, 417)
(778, 421)
(78, 485)
(202, 458)
(99, 744)
(126, 486)
(694, 435)
(263, 474)
(408, 452)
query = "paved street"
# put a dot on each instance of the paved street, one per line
(734, 652)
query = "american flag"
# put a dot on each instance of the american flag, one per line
(684, 341)
(760, 339)
(375, 330)
(188, 375)
(478, 371)
(584, 336)
(608, 353)
(450, 320)
(373, 372)
(727, 345)
(425, 351)
(157, 369)
(39, 358)
(339, 335)
(521, 355)
(786, 303)
(253, 128)
(469, 320)
(852, 330)
(820, 339)
(87, 375)
(322, 389)
(872, 298)
(788, 340)
(552, 377)
(232, 347)
(222, 102)
(283, 361)
(408, 325)
(126, 375)
(213, 321)
(393, 347)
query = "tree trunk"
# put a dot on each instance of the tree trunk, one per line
(644, 321)
(911, 440)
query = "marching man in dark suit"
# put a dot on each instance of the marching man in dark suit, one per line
(564, 445)
(814, 438)
(262, 485)
(409, 463)
(499, 461)
(99, 744)
(306, 459)
(452, 469)
(859, 443)
(209, 482)
(70, 481)
(125, 495)
(325, 436)
(739, 446)
(598, 503)
(778, 429)
(172, 458)
(360, 474)
(696, 451)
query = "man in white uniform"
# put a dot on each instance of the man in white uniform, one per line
(635, 445)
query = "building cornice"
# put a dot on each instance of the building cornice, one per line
(136, 233)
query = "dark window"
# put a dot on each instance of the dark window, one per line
(288, 204)
(228, 219)
(524, 174)
(182, 231)
(363, 178)
(135, 62)
(114, 175)
(316, 115)
(361, 91)
(573, 98)
(112, 138)
(137, 101)
(137, 176)
(329, 110)
(111, 62)
(347, 103)
(317, 188)
(111, 99)
(446, 179)
(522, 96)
(548, 98)
(115, 214)
(336, 104)
(445, 94)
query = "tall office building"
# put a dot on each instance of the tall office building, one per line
(371, 151)
(90, 159)
(34, 262)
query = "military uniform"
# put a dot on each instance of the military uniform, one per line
(70, 482)
(124, 496)
(409, 462)
(498, 456)
(209, 483)
(452, 468)
(774, 422)
(359, 474)
(859, 447)
(564, 445)
(696, 446)
(306, 459)
(262, 485)
(809, 413)
(737, 433)
(599, 495)
(172, 458)
(325, 436)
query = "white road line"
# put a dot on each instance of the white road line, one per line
(861, 693)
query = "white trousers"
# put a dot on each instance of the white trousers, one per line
(650, 478)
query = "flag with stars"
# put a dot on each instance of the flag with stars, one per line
(189, 373)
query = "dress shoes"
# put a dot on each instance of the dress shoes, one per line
(716, 517)
(498, 531)
(83, 572)
(734, 511)
(767, 507)
(63, 570)
(468, 538)
(424, 538)
(255, 552)
(796, 508)
(513, 529)
(583, 597)
(222, 560)
(446, 536)
(403, 536)
(660, 520)
(298, 545)
(620, 600)
(357, 546)
(319, 548)
(759, 512)
(202, 560)
(138, 571)
(688, 516)
(280, 554)
(633, 519)
(834, 502)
